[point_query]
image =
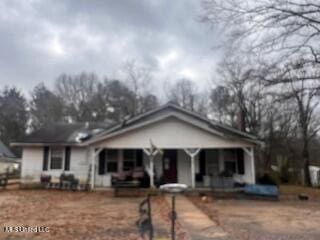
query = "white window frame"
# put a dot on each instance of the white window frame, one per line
(63, 158)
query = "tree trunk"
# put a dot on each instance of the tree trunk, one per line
(241, 120)
(305, 157)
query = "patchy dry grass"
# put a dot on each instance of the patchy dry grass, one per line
(288, 218)
(69, 215)
(291, 192)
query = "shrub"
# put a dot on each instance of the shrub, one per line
(267, 179)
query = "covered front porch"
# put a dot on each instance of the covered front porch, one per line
(195, 167)
(173, 147)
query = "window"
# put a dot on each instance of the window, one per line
(56, 159)
(129, 159)
(112, 160)
(112, 167)
(230, 166)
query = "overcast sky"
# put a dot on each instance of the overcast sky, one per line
(41, 39)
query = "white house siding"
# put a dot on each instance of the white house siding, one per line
(170, 133)
(32, 161)
(31, 165)
(79, 163)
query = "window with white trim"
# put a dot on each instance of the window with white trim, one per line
(56, 158)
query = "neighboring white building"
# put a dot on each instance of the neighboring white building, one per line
(8, 161)
(170, 143)
(315, 176)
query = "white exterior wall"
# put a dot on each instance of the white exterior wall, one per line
(170, 133)
(314, 175)
(31, 164)
(79, 164)
(32, 161)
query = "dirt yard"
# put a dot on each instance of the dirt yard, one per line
(79, 215)
(69, 215)
(99, 216)
(286, 219)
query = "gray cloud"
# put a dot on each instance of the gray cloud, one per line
(41, 39)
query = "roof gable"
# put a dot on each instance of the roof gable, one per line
(170, 131)
(171, 110)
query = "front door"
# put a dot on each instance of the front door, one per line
(169, 164)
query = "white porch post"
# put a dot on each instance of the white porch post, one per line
(94, 154)
(250, 153)
(253, 166)
(92, 157)
(151, 153)
(192, 153)
(151, 167)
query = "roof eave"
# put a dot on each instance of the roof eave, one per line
(42, 144)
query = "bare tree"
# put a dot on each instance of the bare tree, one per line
(281, 37)
(138, 80)
(243, 92)
(272, 29)
(185, 93)
(306, 98)
(223, 105)
(77, 92)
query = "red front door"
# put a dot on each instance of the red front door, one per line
(169, 164)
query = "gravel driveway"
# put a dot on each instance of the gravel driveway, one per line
(263, 220)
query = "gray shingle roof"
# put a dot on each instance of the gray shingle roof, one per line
(5, 152)
(66, 133)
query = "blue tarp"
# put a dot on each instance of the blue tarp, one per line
(262, 190)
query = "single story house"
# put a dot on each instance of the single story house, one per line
(170, 144)
(8, 161)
